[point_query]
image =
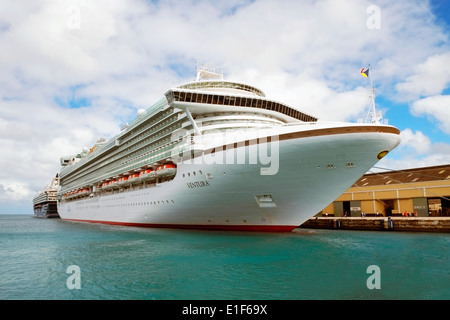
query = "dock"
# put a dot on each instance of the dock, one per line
(411, 224)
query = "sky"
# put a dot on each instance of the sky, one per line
(73, 71)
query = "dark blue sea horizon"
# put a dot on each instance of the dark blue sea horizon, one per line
(53, 259)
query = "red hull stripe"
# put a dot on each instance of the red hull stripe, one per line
(259, 228)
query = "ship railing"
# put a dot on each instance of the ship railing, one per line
(114, 142)
(382, 121)
(292, 124)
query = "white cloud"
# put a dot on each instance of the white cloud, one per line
(429, 78)
(14, 192)
(416, 141)
(435, 107)
(312, 95)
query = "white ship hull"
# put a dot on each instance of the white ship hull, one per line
(316, 164)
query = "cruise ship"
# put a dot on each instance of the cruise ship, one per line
(219, 155)
(45, 203)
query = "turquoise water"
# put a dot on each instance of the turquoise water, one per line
(165, 264)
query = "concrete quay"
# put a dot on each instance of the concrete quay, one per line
(411, 224)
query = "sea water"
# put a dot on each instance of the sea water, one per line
(55, 259)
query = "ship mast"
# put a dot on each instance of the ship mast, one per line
(372, 116)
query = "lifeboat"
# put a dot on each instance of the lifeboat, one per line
(123, 181)
(166, 170)
(113, 184)
(146, 175)
(83, 192)
(109, 185)
(71, 195)
(105, 185)
(134, 178)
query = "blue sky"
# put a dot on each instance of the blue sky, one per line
(74, 70)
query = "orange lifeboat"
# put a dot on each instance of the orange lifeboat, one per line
(146, 175)
(113, 184)
(123, 181)
(110, 184)
(134, 177)
(166, 170)
(83, 192)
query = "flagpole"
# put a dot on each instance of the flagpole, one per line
(374, 115)
(370, 77)
(372, 100)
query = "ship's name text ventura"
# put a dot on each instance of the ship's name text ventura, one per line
(198, 184)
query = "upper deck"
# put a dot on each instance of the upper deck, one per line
(206, 102)
(210, 93)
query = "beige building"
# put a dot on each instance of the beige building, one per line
(421, 191)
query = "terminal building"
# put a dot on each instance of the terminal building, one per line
(421, 192)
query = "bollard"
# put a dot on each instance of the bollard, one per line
(337, 224)
(388, 224)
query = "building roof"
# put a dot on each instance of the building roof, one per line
(405, 176)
